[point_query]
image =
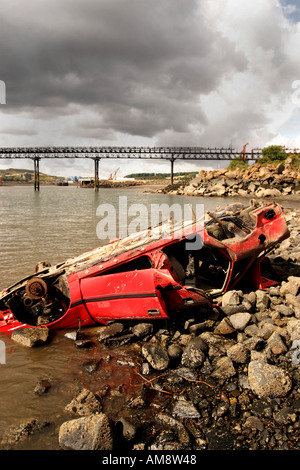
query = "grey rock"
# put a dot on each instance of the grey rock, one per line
(285, 416)
(224, 368)
(252, 330)
(267, 380)
(88, 433)
(240, 320)
(224, 327)
(292, 286)
(198, 328)
(145, 368)
(72, 335)
(174, 351)
(30, 337)
(142, 329)
(185, 409)
(193, 355)
(246, 305)
(238, 353)
(284, 310)
(156, 356)
(266, 330)
(218, 190)
(172, 423)
(21, 432)
(260, 356)
(217, 342)
(119, 340)
(110, 331)
(293, 329)
(268, 192)
(296, 352)
(275, 344)
(254, 342)
(262, 300)
(293, 300)
(85, 403)
(244, 382)
(129, 430)
(252, 298)
(231, 298)
(42, 386)
(254, 423)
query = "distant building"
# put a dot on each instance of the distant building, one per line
(86, 182)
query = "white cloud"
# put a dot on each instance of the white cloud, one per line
(253, 104)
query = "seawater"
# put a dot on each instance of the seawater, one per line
(52, 225)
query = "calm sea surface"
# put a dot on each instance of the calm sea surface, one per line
(52, 225)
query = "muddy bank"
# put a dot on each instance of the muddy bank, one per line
(103, 184)
(126, 184)
(271, 181)
(221, 379)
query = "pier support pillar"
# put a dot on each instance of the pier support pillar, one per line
(96, 179)
(172, 170)
(36, 173)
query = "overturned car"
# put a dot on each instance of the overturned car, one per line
(149, 275)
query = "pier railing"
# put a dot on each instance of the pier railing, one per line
(171, 154)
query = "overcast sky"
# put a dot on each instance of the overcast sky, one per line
(148, 72)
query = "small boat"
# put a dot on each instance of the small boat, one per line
(148, 275)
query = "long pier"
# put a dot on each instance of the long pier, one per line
(171, 154)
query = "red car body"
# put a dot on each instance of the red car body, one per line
(142, 277)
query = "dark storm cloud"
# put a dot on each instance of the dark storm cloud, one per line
(139, 65)
(155, 72)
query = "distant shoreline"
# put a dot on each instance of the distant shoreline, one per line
(25, 183)
(154, 188)
(118, 185)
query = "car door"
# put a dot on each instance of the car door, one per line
(124, 295)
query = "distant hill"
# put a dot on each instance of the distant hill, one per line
(22, 175)
(162, 176)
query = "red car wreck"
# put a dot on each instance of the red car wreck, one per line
(144, 276)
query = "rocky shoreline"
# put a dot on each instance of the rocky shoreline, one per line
(226, 379)
(275, 181)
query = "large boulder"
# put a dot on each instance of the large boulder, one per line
(88, 433)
